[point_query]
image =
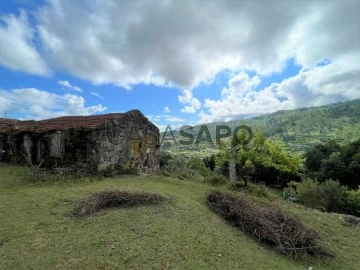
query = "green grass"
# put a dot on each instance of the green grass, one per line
(37, 232)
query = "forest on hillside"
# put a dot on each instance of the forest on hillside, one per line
(299, 129)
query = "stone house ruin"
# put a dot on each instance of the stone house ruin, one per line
(119, 141)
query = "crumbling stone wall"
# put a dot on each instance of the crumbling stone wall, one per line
(128, 139)
(57, 144)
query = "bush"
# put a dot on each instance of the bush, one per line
(176, 164)
(352, 202)
(164, 158)
(216, 179)
(165, 172)
(193, 170)
(210, 162)
(197, 164)
(114, 198)
(268, 224)
(327, 196)
(190, 175)
(332, 195)
(308, 193)
(259, 191)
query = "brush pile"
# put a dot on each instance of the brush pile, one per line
(114, 199)
(268, 224)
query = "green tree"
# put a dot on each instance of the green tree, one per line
(197, 164)
(333, 167)
(259, 152)
(332, 161)
(320, 152)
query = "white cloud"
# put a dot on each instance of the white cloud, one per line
(70, 86)
(192, 104)
(186, 43)
(38, 104)
(174, 119)
(165, 118)
(162, 121)
(17, 48)
(321, 85)
(95, 94)
(166, 109)
(171, 42)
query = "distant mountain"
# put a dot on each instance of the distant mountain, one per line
(299, 128)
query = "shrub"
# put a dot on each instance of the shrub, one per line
(197, 164)
(210, 162)
(164, 158)
(114, 198)
(259, 191)
(289, 192)
(190, 175)
(332, 195)
(165, 172)
(193, 170)
(327, 196)
(216, 179)
(352, 202)
(268, 224)
(308, 193)
(176, 164)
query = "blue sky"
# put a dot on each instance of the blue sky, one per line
(179, 62)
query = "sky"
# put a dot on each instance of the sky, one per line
(179, 62)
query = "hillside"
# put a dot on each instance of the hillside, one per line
(299, 128)
(37, 232)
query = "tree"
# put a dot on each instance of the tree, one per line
(333, 167)
(232, 164)
(332, 161)
(230, 154)
(320, 152)
(251, 159)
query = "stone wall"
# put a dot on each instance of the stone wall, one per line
(130, 138)
(126, 140)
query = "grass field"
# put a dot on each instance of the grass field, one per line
(37, 232)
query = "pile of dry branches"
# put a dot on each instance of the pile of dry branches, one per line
(267, 224)
(114, 198)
